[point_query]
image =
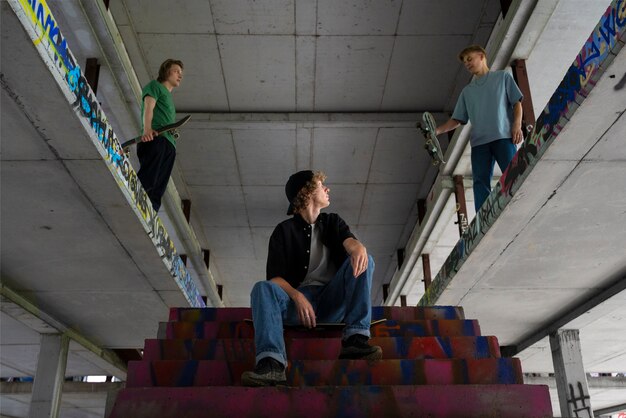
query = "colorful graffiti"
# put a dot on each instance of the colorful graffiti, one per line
(594, 57)
(37, 19)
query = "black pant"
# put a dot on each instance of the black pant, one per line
(156, 159)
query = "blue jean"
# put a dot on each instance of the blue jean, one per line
(344, 299)
(483, 160)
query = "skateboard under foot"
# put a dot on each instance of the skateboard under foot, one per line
(324, 325)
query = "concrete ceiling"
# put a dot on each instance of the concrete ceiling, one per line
(274, 87)
(267, 60)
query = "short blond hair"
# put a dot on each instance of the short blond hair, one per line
(470, 49)
(302, 198)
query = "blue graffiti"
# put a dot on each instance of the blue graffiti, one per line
(49, 26)
(87, 105)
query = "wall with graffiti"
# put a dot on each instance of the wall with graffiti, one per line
(595, 56)
(43, 29)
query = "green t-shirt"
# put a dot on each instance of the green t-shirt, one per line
(164, 110)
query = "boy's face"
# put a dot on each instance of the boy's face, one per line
(473, 61)
(175, 75)
(320, 196)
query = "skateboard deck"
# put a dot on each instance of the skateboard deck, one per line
(323, 325)
(428, 128)
(167, 128)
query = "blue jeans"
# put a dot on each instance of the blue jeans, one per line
(483, 160)
(344, 299)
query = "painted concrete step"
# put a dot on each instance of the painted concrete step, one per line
(392, 328)
(242, 349)
(467, 401)
(378, 312)
(174, 373)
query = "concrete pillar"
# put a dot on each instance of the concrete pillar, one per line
(92, 73)
(521, 78)
(571, 380)
(48, 384)
(110, 402)
(427, 272)
(461, 207)
(186, 206)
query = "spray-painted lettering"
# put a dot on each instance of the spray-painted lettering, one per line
(47, 37)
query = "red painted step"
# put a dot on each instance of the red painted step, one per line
(467, 401)
(330, 372)
(391, 328)
(378, 312)
(242, 349)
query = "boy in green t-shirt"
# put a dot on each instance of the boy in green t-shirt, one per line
(157, 153)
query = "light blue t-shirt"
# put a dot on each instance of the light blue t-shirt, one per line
(488, 103)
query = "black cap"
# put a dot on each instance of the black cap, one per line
(295, 183)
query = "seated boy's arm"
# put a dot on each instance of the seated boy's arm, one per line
(358, 255)
(303, 306)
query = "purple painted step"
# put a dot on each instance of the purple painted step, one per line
(378, 312)
(468, 401)
(174, 373)
(242, 349)
(243, 329)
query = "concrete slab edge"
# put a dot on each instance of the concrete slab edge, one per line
(36, 18)
(595, 56)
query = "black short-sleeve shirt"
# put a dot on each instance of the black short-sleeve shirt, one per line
(290, 243)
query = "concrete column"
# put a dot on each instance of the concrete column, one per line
(48, 384)
(571, 380)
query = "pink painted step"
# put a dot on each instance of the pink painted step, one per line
(467, 401)
(391, 328)
(175, 373)
(242, 349)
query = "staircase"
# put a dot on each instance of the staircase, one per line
(435, 364)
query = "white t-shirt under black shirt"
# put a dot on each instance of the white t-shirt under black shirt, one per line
(321, 270)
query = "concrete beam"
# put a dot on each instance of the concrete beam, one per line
(26, 388)
(26, 312)
(289, 121)
(617, 285)
(610, 409)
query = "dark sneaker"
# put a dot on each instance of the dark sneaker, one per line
(357, 348)
(268, 372)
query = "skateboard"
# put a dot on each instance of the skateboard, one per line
(428, 128)
(172, 127)
(323, 325)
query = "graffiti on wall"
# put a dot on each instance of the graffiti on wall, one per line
(38, 21)
(596, 54)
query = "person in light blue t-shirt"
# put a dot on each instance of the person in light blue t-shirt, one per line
(492, 102)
